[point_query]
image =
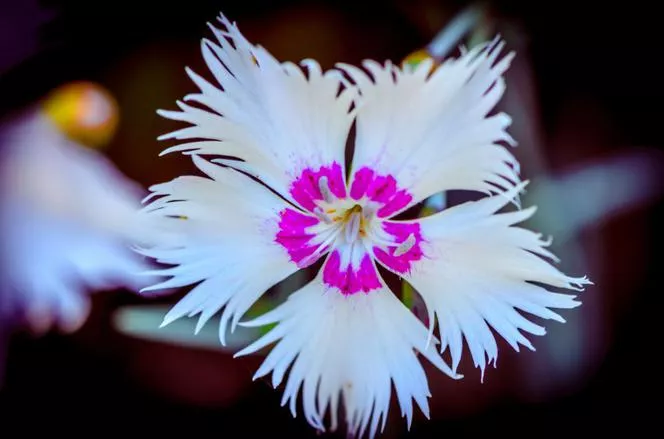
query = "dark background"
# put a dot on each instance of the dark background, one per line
(597, 77)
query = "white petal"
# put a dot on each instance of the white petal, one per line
(354, 345)
(225, 227)
(478, 271)
(275, 118)
(431, 130)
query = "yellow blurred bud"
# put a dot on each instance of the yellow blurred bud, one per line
(412, 60)
(84, 111)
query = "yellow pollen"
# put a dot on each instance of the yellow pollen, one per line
(349, 212)
(354, 211)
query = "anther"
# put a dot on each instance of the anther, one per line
(325, 189)
(405, 246)
(323, 216)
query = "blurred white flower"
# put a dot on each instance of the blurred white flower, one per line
(68, 217)
(420, 131)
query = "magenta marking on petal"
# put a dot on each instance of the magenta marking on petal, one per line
(335, 179)
(301, 255)
(381, 189)
(361, 181)
(306, 190)
(331, 273)
(401, 231)
(350, 280)
(398, 201)
(292, 219)
(293, 236)
(368, 274)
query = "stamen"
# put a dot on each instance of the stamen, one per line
(379, 237)
(405, 246)
(352, 227)
(322, 247)
(325, 189)
(323, 216)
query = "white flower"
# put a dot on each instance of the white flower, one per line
(345, 336)
(67, 217)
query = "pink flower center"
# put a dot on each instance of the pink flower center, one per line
(351, 226)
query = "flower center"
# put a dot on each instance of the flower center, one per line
(350, 225)
(354, 224)
(342, 224)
